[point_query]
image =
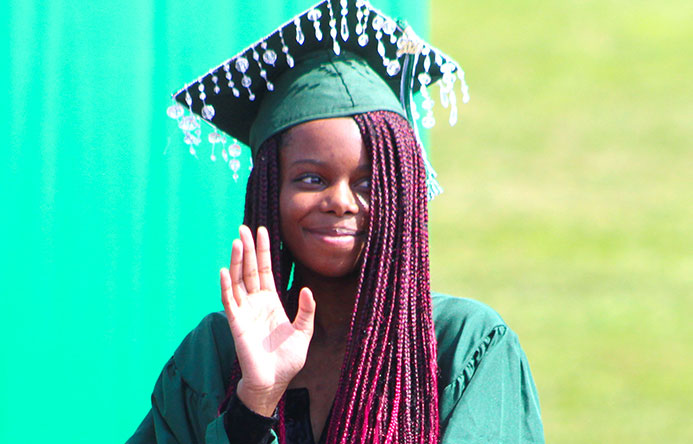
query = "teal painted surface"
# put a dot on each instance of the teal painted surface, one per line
(112, 234)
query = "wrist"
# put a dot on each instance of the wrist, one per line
(262, 401)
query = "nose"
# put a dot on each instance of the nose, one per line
(340, 199)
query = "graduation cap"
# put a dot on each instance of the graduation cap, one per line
(339, 58)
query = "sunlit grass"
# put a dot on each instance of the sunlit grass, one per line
(568, 203)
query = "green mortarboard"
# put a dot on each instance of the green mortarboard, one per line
(339, 58)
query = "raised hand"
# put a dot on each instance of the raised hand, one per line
(270, 348)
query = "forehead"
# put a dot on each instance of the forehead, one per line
(325, 140)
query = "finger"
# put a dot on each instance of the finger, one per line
(227, 299)
(250, 276)
(306, 312)
(264, 260)
(236, 271)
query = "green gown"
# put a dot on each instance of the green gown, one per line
(487, 394)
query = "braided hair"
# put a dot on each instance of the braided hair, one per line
(387, 390)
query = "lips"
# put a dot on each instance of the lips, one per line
(335, 231)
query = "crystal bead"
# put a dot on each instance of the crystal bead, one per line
(424, 79)
(235, 177)
(246, 81)
(381, 48)
(270, 57)
(393, 68)
(256, 56)
(447, 68)
(335, 47)
(217, 90)
(213, 158)
(359, 27)
(224, 155)
(175, 111)
(215, 137)
(191, 139)
(444, 99)
(318, 31)
(427, 63)
(449, 79)
(203, 96)
(378, 22)
(235, 150)
(425, 51)
(263, 45)
(314, 15)
(192, 151)
(439, 59)
(208, 112)
(389, 27)
(300, 37)
(465, 93)
(251, 96)
(201, 87)
(188, 123)
(242, 64)
(345, 30)
(235, 165)
(188, 98)
(428, 104)
(363, 39)
(289, 60)
(428, 122)
(236, 92)
(228, 75)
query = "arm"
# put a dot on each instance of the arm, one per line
(269, 348)
(180, 413)
(494, 398)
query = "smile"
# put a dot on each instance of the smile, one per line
(335, 231)
(337, 236)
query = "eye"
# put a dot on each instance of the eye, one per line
(364, 184)
(309, 179)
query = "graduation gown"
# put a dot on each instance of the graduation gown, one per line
(486, 390)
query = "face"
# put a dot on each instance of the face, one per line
(324, 196)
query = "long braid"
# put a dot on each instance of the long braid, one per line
(387, 390)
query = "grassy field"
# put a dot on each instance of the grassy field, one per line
(569, 203)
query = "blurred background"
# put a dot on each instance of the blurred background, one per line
(567, 205)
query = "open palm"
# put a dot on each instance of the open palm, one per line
(270, 348)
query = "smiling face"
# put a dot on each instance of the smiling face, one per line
(324, 196)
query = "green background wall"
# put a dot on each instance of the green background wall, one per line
(109, 248)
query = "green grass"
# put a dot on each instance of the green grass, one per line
(569, 203)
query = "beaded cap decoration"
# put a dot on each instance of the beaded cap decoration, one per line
(228, 97)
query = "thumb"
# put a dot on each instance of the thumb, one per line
(306, 312)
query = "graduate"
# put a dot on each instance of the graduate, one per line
(330, 332)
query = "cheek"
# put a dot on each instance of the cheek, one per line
(291, 211)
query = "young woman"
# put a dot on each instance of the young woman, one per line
(330, 332)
